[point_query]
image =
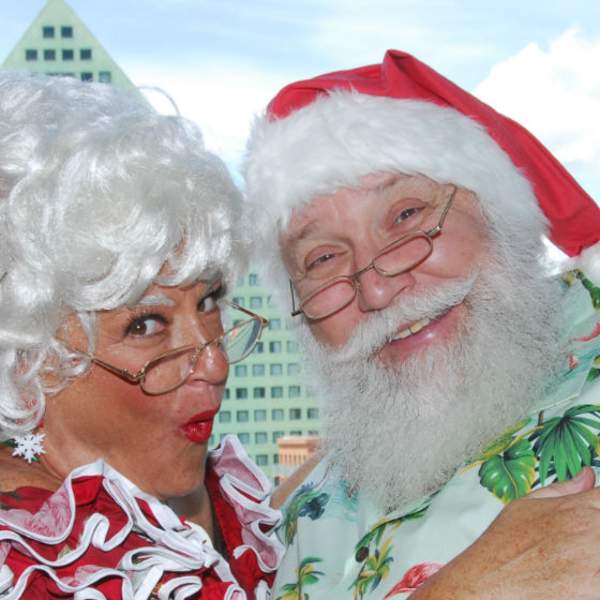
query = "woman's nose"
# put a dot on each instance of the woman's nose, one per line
(211, 365)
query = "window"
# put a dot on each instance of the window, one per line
(277, 392)
(241, 370)
(313, 432)
(253, 279)
(276, 435)
(255, 302)
(242, 416)
(261, 437)
(295, 414)
(294, 391)
(259, 348)
(260, 415)
(87, 76)
(104, 77)
(274, 324)
(244, 438)
(292, 347)
(277, 414)
(262, 460)
(49, 54)
(67, 55)
(224, 416)
(241, 393)
(258, 370)
(48, 32)
(239, 300)
(258, 392)
(276, 369)
(85, 54)
(312, 413)
(66, 31)
(293, 369)
(295, 432)
(226, 394)
(222, 436)
(30, 54)
(274, 347)
(211, 440)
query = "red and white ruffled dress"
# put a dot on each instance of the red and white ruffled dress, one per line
(100, 537)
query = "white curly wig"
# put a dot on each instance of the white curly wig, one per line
(97, 193)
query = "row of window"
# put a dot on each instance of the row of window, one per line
(276, 391)
(31, 54)
(276, 347)
(103, 76)
(259, 369)
(260, 415)
(49, 31)
(262, 435)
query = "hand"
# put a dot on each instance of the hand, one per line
(545, 546)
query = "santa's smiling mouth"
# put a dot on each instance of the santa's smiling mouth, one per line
(417, 326)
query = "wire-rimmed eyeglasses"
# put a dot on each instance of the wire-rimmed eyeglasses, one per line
(170, 370)
(396, 258)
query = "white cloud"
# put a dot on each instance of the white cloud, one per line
(222, 98)
(555, 93)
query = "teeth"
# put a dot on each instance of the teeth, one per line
(414, 328)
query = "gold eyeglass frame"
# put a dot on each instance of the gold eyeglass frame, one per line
(139, 377)
(353, 279)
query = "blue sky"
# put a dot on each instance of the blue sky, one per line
(223, 60)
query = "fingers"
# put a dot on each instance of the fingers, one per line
(583, 482)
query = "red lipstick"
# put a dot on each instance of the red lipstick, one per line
(199, 427)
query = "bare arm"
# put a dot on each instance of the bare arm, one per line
(541, 547)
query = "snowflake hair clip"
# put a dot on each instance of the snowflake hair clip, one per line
(29, 446)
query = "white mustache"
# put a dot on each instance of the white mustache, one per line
(381, 326)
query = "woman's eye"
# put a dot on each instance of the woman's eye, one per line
(146, 326)
(207, 303)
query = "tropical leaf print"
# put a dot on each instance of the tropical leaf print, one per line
(565, 444)
(374, 570)
(511, 474)
(593, 290)
(306, 502)
(500, 444)
(307, 575)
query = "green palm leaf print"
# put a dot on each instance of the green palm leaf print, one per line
(566, 444)
(511, 474)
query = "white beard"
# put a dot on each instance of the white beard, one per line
(400, 433)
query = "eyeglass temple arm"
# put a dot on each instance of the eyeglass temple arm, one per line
(295, 311)
(438, 228)
(134, 378)
(263, 321)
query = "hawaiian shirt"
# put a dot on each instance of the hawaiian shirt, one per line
(340, 546)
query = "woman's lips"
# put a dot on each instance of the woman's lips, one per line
(199, 427)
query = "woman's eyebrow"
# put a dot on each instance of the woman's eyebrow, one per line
(157, 300)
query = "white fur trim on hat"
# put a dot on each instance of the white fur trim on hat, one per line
(343, 136)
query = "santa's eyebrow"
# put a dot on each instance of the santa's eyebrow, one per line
(157, 300)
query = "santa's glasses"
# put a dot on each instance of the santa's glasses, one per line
(396, 258)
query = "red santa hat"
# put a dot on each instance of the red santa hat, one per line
(401, 116)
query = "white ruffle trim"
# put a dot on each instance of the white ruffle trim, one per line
(248, 490)
(174, 546)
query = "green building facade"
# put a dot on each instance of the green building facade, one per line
(59, 43)
(266, 396)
